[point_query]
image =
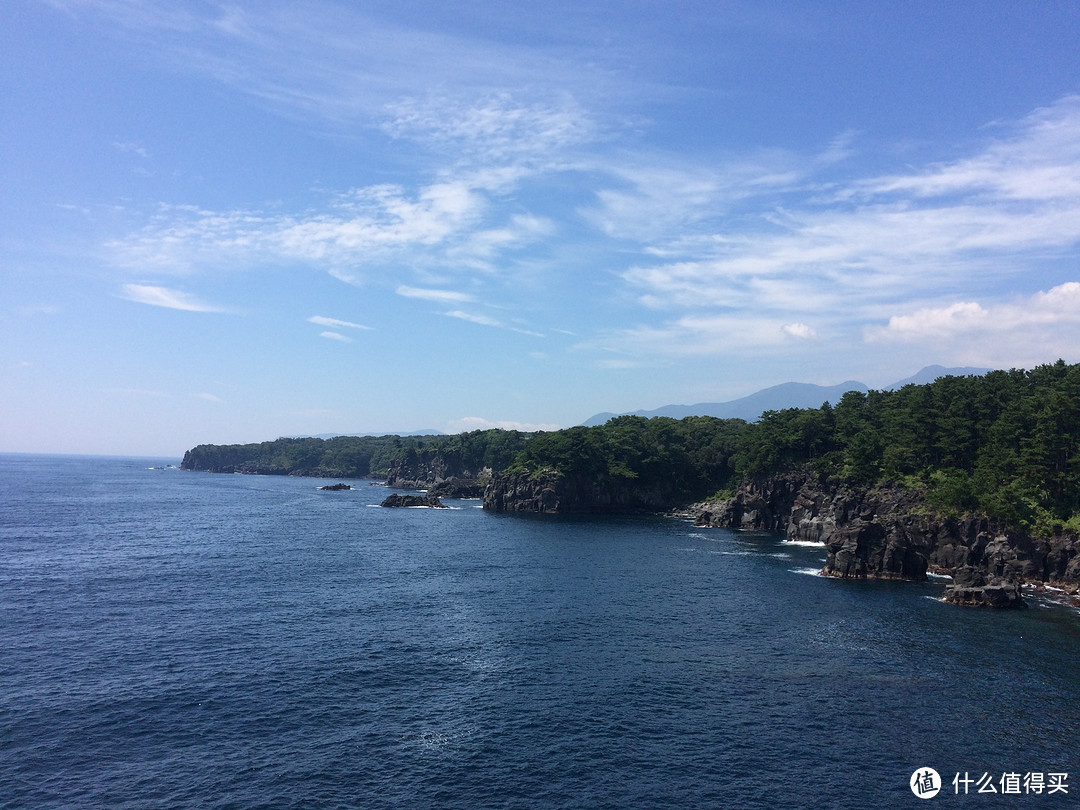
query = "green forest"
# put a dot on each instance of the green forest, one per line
(356, 456)
(1004, 444)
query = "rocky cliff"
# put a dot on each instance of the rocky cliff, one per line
(425, 470)
(194, 462)
(888, 533)
(551, 492)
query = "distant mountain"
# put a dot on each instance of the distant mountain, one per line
(931, 373)
(785, 395)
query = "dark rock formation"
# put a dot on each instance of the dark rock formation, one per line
(551, 492)
(521, 492)
(888, 533)
(335, 487)
(413, 500)
(426, 469)
(458, 488)
(971, 588)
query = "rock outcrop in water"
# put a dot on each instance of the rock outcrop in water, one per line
(406, 501)
(888, 533)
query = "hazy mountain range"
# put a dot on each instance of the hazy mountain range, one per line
(787, 395)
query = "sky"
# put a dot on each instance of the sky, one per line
(227, 222)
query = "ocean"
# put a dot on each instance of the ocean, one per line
(176, 639)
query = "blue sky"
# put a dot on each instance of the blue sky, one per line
(227, 222)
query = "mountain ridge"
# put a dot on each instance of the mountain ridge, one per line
(786, 395)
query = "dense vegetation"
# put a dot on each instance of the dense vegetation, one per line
(688, 457)
(1005, 444)
(356, 456)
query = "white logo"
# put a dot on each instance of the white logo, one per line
(925, 783)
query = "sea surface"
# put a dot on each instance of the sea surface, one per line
(176, 639)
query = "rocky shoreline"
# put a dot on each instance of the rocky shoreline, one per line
(885, 532)
(888, 533)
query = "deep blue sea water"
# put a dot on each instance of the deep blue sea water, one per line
(178, 639)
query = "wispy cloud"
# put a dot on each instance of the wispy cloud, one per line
(442, 296)
(496, 126)
(841, 260)
(165, 297)
(445, 225)
(483, 320)
(131, 148)
(336, 336)
(207, 397)
(348, 67)
(336, 323)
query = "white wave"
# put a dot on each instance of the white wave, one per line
(938, 576)
(781, 555)
(812, 572)
(806, 543)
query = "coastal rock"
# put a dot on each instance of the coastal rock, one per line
(425, 469)
(551, 492)
(522, 492)
(335, 487)
(888, 533)
(405, 501)
(972, 588)
(458, 488)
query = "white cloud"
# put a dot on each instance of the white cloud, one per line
(334, 322)
(442, 296)
(496, 125)
(1038, 161)
(799, 330)
(483, 320)
(130, 147)
(449, 225)
(336, 336)
(690, 336)
(165, 297)
(1019, 333)
(1059, 306)
(470, 423)
(207, 397)
(990, 220)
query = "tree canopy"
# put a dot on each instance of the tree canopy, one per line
(1006, 444)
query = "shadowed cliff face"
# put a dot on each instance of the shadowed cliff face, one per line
(887, 533)
(554, 493)
(423, 471)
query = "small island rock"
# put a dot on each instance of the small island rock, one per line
(413, 500)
